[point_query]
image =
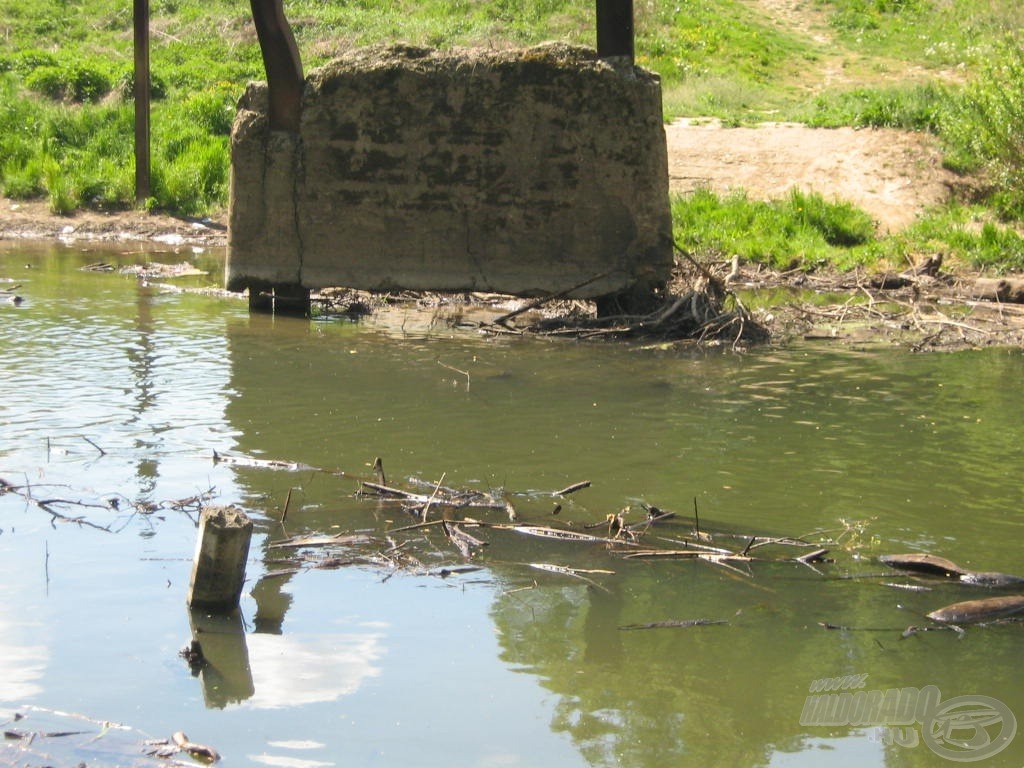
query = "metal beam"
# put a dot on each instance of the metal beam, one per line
(140, 13)
(282, 62)
(615, 29)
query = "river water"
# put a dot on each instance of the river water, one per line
(116, 393)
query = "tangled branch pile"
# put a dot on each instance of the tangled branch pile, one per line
(703, 311)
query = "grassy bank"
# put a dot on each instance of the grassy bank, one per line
(66, 111)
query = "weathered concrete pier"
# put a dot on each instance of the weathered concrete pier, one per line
(527, 172)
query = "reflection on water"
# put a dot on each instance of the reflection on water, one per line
(121, 390)
(22, 659)
(289, 671)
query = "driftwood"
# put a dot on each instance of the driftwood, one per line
(560, 534)
(462, 540)
(323, 540)
(706, 312)
(923, 563)
(200, 751)
(978, 611)
(248, 461)
(927, 267)
(999, 289)
(939, 566)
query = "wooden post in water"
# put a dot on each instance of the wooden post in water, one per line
(218, 569)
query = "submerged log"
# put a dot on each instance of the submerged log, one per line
(991, 579)
(940, 566)
(923, 563)
(975, 611)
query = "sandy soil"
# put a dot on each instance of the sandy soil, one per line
(893, 175)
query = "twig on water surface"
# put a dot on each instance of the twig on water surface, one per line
(503, 320)
(90, 442)
(426, 507)
(287, 503)
(320, 540)
(248, 461)
(572, 488)
(576, 573)
(843, 628)
(552, 568)
(816, 556)
(906, 587)
(676, 624)
(456, 370)
(415, 526)
(462, 540)
(557, 533)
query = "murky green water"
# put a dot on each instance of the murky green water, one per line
(113, 388)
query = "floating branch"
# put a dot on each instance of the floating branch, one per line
(200, 751)
(558, 533)
(456, 370)
(676, 624)
(907, 587)
(442, 496)
(572, 488)
(315, 540)
(816, 556)
(567, 570)
(248, 461)
(934, 565)
(977, 611)
(667, 554)
(842, 627)
(577, 573)
(462, 540)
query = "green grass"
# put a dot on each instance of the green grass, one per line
(66, 110)
(799, 231)
(804, 231)
(917, 107)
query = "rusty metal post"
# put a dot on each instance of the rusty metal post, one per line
(140, 13)
(615, 29)
(282, 62)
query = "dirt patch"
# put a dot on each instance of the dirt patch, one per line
(32, 220)
(893, 175)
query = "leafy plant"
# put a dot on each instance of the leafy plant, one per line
(69, 82)
(984, 130)
(913, 108)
